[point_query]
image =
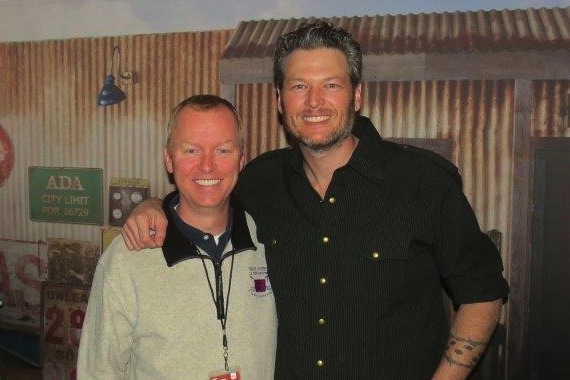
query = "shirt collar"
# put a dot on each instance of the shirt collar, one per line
(204, 240)
(181, 244)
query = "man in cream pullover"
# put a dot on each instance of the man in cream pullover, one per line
(203, 307)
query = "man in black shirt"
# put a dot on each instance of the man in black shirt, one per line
(359, 233)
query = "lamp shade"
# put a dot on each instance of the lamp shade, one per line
(110, 94)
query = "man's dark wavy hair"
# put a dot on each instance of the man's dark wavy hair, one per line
(319, 34)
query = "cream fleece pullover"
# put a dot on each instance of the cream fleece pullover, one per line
(146, 320)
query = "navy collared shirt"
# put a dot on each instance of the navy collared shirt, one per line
(204, 240)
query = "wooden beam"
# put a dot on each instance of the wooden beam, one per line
(246, 70)
(529, 65)
(519, 262)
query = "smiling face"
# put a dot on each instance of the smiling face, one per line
(317, 100)
(205, 156)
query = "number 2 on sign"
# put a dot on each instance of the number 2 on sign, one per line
(56, 316)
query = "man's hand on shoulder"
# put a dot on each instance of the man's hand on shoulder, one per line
(146, 226)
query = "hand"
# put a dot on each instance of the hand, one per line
(146, 226)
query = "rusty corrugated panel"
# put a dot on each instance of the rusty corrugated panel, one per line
(49, 89)
(256, 103)
(550, 109)
(528, 29)
(475, 115)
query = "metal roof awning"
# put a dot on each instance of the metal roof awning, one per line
(521, 32)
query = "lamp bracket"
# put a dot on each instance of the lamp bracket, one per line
(127, 77)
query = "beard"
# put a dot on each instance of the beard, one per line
(334, 139)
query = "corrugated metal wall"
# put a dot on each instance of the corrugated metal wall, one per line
(257, 105)
(551, 109)
(48, 93)
(475, 115)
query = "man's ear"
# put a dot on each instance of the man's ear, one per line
(279, 107)
(167, 160)
(358, 97)
(242, 160)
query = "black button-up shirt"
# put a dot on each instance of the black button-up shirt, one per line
(357, 275)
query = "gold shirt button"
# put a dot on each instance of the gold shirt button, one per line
(332, 200)
(321, 321)
(320, 363)
(375, 255)
(322, 280)
(325, 239)
(274, 242)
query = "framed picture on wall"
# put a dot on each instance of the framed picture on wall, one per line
(62, 315)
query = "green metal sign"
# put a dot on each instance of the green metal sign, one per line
(68, 195)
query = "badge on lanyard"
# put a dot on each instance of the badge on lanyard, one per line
(232, 374)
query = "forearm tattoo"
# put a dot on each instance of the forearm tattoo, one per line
(463, 352)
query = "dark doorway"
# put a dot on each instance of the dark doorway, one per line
(549, 328)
